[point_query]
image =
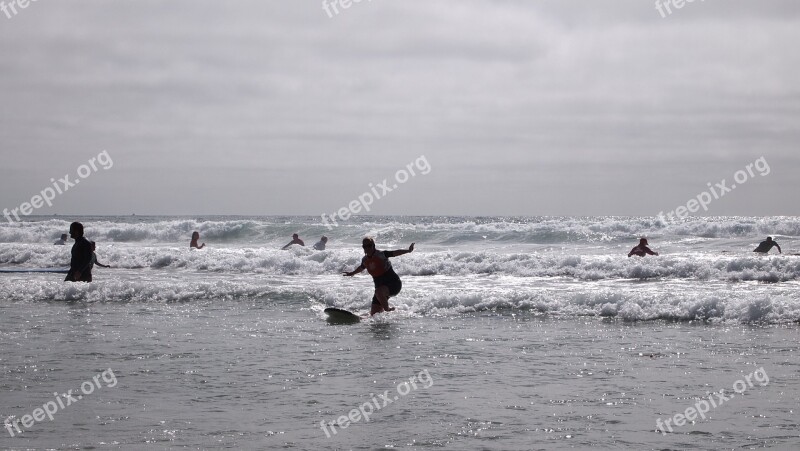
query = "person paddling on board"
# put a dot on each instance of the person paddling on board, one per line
(387, 282)
(641, 250)
(766, 246)
(295, 240)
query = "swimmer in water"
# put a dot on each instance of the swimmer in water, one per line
(295, 240)
(767, 246)
(195, 238)
(641, 250)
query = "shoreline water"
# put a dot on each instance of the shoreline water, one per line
(268, 371)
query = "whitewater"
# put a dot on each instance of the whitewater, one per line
(535, 333)
(566, 266)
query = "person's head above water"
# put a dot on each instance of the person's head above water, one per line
(643, 241)
(769, 238)
(324, 239)
(195, 235)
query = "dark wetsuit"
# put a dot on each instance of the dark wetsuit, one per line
(81, 261)
(380, 268)
(766, 246)
(641, 250)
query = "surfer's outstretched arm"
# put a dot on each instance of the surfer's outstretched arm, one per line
(401, 251)
(355, 271)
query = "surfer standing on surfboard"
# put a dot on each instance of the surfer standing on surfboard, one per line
(387, 282)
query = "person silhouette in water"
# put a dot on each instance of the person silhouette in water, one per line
(295, 240)
(80, 266)
(387, 282)
(641, 250)
(94, 257)
(766, 246)
(195, 238)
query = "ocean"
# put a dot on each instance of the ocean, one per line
(511, 333)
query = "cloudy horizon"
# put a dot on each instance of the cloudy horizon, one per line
(519, 108)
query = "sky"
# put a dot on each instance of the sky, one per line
(434, 107)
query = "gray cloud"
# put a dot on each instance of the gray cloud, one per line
(528, 108)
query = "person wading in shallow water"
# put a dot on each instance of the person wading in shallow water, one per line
(94, 257)
(193, 243)
(80, 267)
(387, 282)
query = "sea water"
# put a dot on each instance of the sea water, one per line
(509, 333)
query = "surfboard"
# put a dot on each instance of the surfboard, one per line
(54, 271)
(339, 316)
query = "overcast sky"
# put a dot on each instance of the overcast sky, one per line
(266, 107)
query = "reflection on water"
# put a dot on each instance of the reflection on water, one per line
(383, 330)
